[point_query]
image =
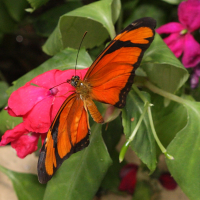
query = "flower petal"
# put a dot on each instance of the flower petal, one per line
(57, 103)
(38, 120)
(63, 76)
(22, 100)
(197, 70)
(45, 80)
(43, 137)
(167, 181)
(171, 27)
(127, 168)
(10, 111)
(191, 55)
(176, 43)
(128, 182)
(13, 134)
(194, 81)
(189, 14)
(25, 145)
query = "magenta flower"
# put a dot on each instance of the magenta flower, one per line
(37, 105)
(194, 81)
(181, 40)
(128, 175)
(167, 181)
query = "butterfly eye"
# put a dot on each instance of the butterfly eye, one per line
(76, 77)
(74, 80)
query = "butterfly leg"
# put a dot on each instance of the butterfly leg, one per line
(96, 115)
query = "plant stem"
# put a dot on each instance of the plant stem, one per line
(130, 139)
(156, 90)
(163, 93)
(139, 93)
(162, 148)
(139, 123)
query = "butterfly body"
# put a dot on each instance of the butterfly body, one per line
(83, 92)
(108, 80)
(82, 88)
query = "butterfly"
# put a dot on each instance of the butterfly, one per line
(108, 80)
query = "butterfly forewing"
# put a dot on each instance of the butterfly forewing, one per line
(111, 75)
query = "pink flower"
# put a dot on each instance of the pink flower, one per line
(128, 178)
(181, 40)
(37, 104)
(167, 181)
(194, 81)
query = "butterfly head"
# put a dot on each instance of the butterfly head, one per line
(74, 80)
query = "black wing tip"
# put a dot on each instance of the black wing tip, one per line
(146, 21)
(142, 22)
(43, 177)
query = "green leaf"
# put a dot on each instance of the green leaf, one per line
(142, 191)
(63, 61)
(116, 9)
(95, 18)
(173, 1)
(3, 94)
(26, 186)
(163, 118)
(146, 9)
(47, 22)
(80, 176)
(112, 133)
(163, 68)
(16, 9)
(7, 121)
(36, 4)
(185, 150)
(143, 143)
(7, 24)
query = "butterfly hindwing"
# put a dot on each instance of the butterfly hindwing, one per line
(111, 75)
(68, 134)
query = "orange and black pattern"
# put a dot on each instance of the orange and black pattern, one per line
(108, 80)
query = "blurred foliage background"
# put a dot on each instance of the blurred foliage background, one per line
(25, 27)
(22, 34)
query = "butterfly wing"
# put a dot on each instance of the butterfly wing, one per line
(68, 134)
(111, 75)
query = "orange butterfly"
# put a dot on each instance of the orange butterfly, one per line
(108, 80)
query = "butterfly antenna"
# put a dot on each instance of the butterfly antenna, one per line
(56, 85)
(79, 50)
